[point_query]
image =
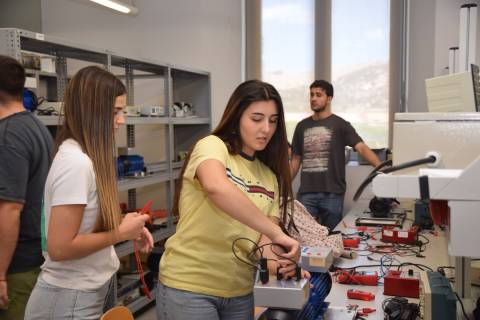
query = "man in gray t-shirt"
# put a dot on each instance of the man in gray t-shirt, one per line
(318, 144)
(25, 151)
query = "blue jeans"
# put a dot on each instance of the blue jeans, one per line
(174, 304)
(54, 303)
(325, 207)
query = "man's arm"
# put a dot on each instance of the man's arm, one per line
(9, 230)
(367, 154)
(295, 165)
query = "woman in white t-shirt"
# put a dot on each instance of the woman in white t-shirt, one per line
(82, 220)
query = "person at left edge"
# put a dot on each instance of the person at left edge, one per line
(25, 151)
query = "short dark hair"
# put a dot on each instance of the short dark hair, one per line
(323, 84)
(12, 79)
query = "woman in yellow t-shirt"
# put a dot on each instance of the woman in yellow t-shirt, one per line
(230, 188)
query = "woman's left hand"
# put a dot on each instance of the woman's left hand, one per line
(145, 241)
(287, 269)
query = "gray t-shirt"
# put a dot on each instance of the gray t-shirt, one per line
(25, 152)
(321, 145)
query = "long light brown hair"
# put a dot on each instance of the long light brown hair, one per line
(89, 115)
(275, 154)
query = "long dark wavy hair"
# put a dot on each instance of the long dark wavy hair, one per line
(275, 154)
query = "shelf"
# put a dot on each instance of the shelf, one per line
(54, 120)
(146, 120)
(154, 68)
(37, 42)
(129, 283)
(41, 73)
(190, 120)
(177, 165)
(134, 183)
(141, 302)
(49, 120)
(125, 248)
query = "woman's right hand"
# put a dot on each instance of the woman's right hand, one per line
(132, 225)
(291, 245)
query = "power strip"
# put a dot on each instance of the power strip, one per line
(316, 259)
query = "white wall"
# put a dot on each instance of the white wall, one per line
(433, 29)
(23, 14)
(202, 34)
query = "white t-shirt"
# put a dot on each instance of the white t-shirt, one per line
(71, 180)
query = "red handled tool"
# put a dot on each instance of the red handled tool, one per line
(365, 278)
(360, 295)
(138, 260)
(367, 310)
(146, 209)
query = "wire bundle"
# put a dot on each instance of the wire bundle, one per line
(138, 260)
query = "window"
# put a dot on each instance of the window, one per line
(360, 66)
(288, 54)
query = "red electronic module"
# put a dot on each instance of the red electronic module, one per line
(351, 242)
(400, 236)
(402, 283)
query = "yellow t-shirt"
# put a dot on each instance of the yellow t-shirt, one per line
(199, 257)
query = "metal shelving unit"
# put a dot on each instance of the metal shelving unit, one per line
(135, 183)
(179, 84)
(55, 120)
(141, 302)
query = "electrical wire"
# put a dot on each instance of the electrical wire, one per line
(260, 250)
(414, 163)
(235, 253)
(461, 305)
(418, 265)
(138, 260)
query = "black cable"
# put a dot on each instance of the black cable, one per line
(272, 244)
(418, 265)
(414, 163)
(463, 308)
(424, 243)
(409, 164)
(380, 166)
(279, 255)
(260, 250)
(236, 256)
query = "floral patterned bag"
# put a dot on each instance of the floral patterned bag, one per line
(306, 230)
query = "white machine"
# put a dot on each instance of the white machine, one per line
(285, 294)
(454, 139)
